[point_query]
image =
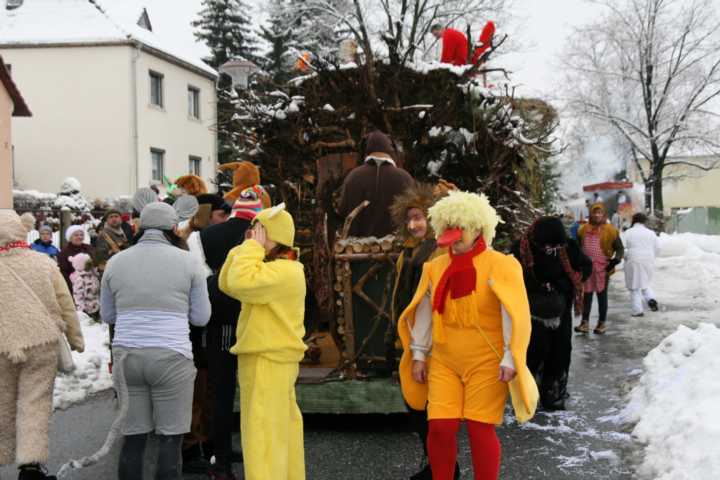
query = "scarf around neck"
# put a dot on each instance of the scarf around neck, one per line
(459, 278)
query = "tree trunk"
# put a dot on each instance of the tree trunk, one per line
(657, 189)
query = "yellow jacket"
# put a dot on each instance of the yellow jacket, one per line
(499, 283)
(273, 303)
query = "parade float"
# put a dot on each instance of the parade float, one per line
(447, 125)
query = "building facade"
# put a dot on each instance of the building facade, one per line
(117, 110)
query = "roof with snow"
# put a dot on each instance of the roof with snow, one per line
(20, 108)
(89, 22)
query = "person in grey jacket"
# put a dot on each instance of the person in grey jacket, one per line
(151, 293)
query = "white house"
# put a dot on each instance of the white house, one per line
(114, 104)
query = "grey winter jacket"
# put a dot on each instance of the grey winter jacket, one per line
(151, 291)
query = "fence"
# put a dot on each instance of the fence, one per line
(703, 220)
(60, 220)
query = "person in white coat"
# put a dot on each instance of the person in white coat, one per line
(641, 247)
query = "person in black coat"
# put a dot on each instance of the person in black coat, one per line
(554, 268)
(217, 241)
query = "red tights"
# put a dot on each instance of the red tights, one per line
(442, 449)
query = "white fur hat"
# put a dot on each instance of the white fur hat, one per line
(72, 229)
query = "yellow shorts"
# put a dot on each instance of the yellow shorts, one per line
(463, 378)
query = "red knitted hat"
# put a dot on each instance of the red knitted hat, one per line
(249, 204)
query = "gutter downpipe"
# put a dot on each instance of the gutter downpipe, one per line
(135, 177)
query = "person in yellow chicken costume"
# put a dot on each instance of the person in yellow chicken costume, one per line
(465, 337)
(265, 276)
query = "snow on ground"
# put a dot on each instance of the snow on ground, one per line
(91, 374)
(687, 275)
(675, 406)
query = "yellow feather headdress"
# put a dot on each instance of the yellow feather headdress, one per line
(470, 212)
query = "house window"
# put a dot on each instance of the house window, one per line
(156, 89)
(157, 157)
(194, 167)
(194, 102)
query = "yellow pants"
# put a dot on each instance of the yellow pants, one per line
(270, 421)
(463, 378)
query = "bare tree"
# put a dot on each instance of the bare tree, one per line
(400, 28)
(650, 69)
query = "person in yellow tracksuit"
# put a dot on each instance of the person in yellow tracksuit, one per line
(265, 276)
(465, 337)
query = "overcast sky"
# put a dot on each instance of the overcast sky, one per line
(544, 26)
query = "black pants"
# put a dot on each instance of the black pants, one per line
(132, 457)
(419, 424)
(548, 356)
(222, 377)
(602, 305)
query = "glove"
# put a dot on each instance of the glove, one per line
(613, 263)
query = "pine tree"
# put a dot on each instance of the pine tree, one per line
(225, 27)
(279, 35)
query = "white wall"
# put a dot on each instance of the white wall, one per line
(81, 119)
(171, 128)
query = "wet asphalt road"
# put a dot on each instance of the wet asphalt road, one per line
(577, 444)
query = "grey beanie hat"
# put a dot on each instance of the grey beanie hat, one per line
(143, 197)
(45, 228)
(159, 216)
(186, 207)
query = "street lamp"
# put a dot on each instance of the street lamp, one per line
(239, 70)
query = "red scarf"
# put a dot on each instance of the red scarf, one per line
(460, 277)
(11, 245)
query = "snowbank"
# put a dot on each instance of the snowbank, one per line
(91, 374)
(687, 275)
(675, 406)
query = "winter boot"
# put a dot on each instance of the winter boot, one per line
(600, 329)
(653, 305)
(426, 473)
(584, 327)
(194, 461)
(217, 472)
(34, 472)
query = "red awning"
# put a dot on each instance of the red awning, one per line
(607, 186)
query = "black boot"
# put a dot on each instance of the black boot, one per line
(653, 305)
(426, 473)
(194, 461)
(34, 471)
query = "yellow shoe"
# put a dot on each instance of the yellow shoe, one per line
(600, 329)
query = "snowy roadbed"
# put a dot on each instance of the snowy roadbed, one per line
(675, 406)
(91, 374)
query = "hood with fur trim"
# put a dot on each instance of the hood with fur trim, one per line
(11, 228)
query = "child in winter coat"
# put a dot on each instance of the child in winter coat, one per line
(265, 276)
(86, 284)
